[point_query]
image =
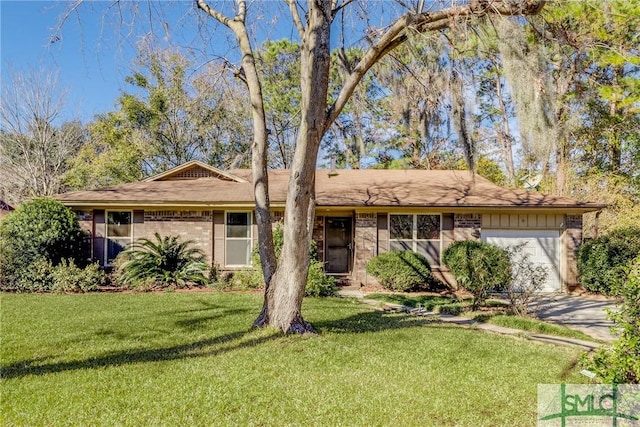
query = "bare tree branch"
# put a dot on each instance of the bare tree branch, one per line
(296, 17)
(396, 34)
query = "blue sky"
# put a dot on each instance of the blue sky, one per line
(89, 68)
(96, 47)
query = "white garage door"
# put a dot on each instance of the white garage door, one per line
(543, 247)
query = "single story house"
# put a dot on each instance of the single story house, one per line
(5, 208)
(359, 214)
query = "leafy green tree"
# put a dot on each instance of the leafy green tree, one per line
(183, 116)
(110, 156)
(486, 168)
(175, 113)
(590, 60)
(162, 262)
(417, 78)
(279, 62)
(356, 132)
(620, 194)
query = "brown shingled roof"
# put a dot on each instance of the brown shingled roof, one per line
(352, 188)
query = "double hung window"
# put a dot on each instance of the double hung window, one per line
(416, 232)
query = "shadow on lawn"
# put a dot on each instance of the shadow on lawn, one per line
(204, 348)
(374, 321)
(359, 323)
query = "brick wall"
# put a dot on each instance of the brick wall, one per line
(189, 225)
(365, 243)
(466, 226)
(318, 235)
(571, 240)
(573, 221)
(85, 220)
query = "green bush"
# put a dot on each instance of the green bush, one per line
(36, 277)
(601, 261)
(163, 263)
(247, 278)
(318, 283)
(42, 276)
(68, 277)
(620, 363)
(401, 270)
(478, 267)
(39, 230)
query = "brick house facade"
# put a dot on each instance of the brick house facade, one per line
(359, 215)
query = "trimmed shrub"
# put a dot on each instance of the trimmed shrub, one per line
(42, 276)
(67, 277)
(318, 283)
(401, 270)
(37, 231)
(478, 267)
(36, 277)
(163, 263)
(601, 261)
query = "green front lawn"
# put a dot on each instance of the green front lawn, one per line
(190, 359)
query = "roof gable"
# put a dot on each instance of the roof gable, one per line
(194, 170)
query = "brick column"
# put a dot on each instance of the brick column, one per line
(571, 241)
(365, 244)
(318, 236)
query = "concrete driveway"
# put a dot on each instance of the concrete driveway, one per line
(586, 314)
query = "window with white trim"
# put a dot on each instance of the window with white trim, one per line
(119, 233)
(238, 239)
(416, 232)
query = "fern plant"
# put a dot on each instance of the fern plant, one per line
(163, 262)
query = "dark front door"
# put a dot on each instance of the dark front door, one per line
(338, 244)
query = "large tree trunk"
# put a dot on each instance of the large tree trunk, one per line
(285, 287)
(259, 146)
(284, 298)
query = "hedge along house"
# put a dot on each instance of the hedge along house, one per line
(359, 214)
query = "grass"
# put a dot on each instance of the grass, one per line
(428, 302)
(537, 326)
(436, 302)
(189, 359)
